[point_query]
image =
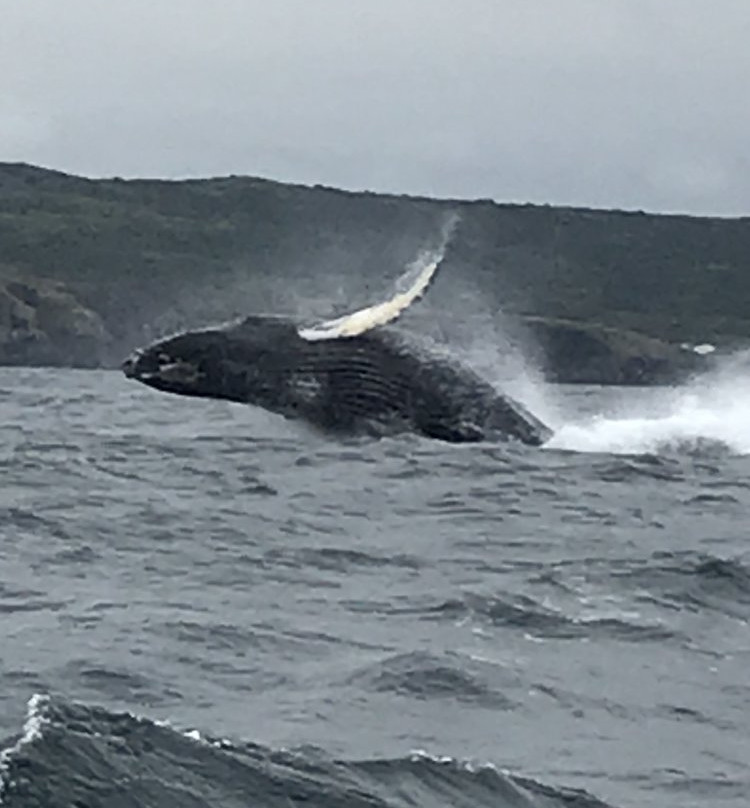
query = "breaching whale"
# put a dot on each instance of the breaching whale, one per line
(350, 375)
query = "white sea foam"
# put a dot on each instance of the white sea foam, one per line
(713, 409)
(32, 729)
(472, 766)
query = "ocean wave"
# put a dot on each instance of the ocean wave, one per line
(337, 559)
(631, 469)
(693, 581)
(544, 622)
(428, 676)
(73, 754)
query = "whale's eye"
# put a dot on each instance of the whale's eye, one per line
(164, 359)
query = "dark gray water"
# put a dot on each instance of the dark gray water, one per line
(385, 623)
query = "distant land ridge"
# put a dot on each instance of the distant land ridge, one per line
(90, 268)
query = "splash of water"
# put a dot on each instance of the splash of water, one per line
(501, 356)
(712, 410)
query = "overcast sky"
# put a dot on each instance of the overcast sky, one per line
(639, 104)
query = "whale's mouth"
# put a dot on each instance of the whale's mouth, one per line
(145, 365)
(159, 368)
(129, 366)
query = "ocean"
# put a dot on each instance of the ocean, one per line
(205, 605)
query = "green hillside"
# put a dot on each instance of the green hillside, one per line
(150, 255)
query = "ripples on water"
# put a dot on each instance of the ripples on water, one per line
(383, 623)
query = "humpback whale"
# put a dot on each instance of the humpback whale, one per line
(350, 375)
(377, 382)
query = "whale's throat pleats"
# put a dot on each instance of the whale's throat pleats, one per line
(381, 381)
(357, 380)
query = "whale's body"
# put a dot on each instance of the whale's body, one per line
(353, 374)
(376, 382)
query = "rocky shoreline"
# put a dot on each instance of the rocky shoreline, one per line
(44, 324)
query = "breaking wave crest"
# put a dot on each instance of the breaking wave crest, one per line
(76, 754)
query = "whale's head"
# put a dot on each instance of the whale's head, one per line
(238, 362)
(181, 364)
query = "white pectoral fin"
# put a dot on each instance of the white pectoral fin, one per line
(410, 286)
(381, 313)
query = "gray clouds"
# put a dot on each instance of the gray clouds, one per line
(609, 103)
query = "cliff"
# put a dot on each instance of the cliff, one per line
(42, 323)
(606, 296)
